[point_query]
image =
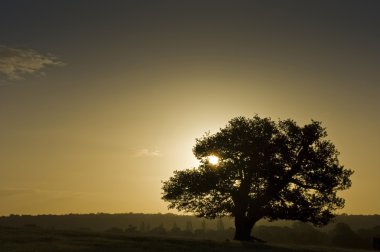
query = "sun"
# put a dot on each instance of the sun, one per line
(212, 159)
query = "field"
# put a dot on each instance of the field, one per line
(33, 239)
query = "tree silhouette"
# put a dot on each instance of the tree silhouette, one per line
(344, 236)
(189, 226)
(267, 169)
(220, 226)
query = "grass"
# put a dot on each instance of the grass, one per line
(33, 239)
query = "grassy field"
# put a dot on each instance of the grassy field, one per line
(32, 239)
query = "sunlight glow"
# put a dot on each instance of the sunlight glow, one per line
(214, 160)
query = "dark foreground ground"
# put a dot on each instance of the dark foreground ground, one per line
(28, 239)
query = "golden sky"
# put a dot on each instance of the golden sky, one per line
(102, 100)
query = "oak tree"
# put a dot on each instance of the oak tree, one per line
(267, 169)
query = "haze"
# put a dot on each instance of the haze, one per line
(102, 100)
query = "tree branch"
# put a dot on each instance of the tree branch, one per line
(296, 182)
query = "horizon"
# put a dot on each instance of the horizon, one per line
(176, 214)
(100, 102)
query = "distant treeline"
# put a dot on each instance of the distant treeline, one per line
(103, 221)
(352, 231)
(340, 235)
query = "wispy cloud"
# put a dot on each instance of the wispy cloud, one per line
(148, 153)
(5, 192)
(15, 63)
(19, 191)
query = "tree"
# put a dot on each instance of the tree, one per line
(189, 226)
(266, 169)
(343, 236)
(220, 225)
(175, 229)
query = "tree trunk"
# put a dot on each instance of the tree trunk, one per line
(243, 228)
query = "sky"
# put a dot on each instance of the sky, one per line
(100, 101)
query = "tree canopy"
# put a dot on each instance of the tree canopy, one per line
(266, 169)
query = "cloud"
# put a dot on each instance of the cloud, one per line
(6, 192)
(16, 63)
(148, 153)
(19, 191)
